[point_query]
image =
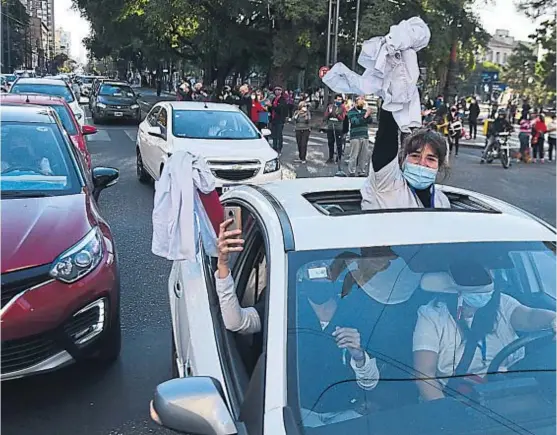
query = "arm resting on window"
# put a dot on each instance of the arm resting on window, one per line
(236, 318)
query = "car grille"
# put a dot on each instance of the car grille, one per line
(232, 163)
(14, 283)
(117, 107)
(232, 175)
(23, 353)
(79, 325)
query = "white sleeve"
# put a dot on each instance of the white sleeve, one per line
(236, 318)
(389, 177)
(367, 376)
(427, 334)
(507, 306)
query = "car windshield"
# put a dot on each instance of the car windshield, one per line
(10, 78)
(209, 124)
(406, 305)
(43, 89)
(116, 91)
(66, 119)
(35, 161)
(87, 80)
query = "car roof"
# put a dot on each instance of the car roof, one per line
(200, 105)
(473, 217)
(41, 81)
(33, 99)
(26, 113)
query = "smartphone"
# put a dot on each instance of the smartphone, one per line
(234, 213)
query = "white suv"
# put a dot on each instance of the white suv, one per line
(234, 149)
(314, 262)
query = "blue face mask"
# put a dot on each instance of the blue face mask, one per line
(477, 300)
(418, 176)
(338, 103)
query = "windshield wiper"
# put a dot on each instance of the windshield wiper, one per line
(25, 194)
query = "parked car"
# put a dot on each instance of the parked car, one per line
(76, 132)
(53, 87)
(234, 149)
(309, 247)
(85, 85)
(115, 100)
(60, 280)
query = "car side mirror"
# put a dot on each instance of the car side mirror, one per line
(102, 178)
(88, 129)
(83, 100)
(155, 131)
(266, 132)
(193, 405)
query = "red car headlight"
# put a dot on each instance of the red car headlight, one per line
(80, 259)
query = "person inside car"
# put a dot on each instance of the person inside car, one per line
(405, 181)
(321, 305)
(483, 318)
(18, 154)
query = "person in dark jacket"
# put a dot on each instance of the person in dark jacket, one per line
(357, 122)
(500, 125)
(183, 93)
(279, 113)
(334, 117)
(245, 103)
(474, 112)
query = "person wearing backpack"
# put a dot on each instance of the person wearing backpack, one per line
(455, 130)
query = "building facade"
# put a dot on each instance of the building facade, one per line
(44, 9)
(39, 44)
(63, 42)
(501, 46)
(15, 40)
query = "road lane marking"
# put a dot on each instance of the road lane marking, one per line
(132, 134)
(99, 136)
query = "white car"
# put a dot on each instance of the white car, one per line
(234, 149)
(86, 83)
(308, 240)
(52, 86)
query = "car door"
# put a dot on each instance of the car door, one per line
(145, 140)
(159, 147)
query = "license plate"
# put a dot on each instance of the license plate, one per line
(118, 114)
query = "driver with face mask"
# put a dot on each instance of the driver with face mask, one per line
(462, 330)
(500, 125)
(19, 155)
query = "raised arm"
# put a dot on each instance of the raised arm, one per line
(386, 141)
(235, 317)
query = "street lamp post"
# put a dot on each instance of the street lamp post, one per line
(331, 43)
(356, 35)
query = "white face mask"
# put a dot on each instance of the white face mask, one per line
(477, 300)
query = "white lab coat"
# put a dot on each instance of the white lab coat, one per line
(179, 218)
(392, 71)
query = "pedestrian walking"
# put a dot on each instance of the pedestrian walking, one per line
(455, 130)
(525, 129)
(552, 135)
(279, 113)
(334, 117)
(538, 138)
(357, 122)
(473, 113)
(302, 118)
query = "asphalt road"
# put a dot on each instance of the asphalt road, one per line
(89, 400)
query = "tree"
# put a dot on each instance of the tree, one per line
(536, 8)
(521, 66)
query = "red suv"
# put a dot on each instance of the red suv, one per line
(64, 111)
(60, 281)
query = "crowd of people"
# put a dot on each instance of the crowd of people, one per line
(533, 128)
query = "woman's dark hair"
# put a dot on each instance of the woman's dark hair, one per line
(485, 318)
(422, 137)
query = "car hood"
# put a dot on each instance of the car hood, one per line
(232, 150)
(116, 100)
(36, 230)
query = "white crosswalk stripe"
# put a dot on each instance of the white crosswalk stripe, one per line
(99, 136)
(132, 134)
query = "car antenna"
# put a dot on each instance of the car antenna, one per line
(27, 99)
